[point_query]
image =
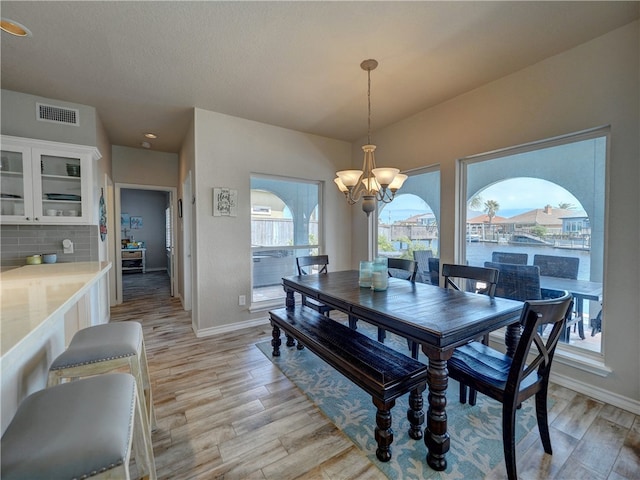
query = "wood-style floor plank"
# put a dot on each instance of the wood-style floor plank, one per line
(224, 411)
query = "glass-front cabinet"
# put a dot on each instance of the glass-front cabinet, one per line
(46, 182)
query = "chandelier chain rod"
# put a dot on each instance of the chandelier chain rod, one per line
(369, 106)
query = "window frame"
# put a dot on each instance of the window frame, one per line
(591, 361)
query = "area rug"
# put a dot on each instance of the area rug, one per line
(476, 432)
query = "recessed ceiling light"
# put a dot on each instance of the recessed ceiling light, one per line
(146, 144)
(150, 135)
(14, 28)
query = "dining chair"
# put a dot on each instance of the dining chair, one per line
(422, 259)
(522, 282)
(512, 380)
(510, 257)
(313, 264)
(434, 270)
(556, 266)
(402, 268)
(561, 267)
(479, 280)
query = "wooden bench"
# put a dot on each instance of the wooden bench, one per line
(382, 372)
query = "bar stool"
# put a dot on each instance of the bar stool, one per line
(103, 349)
(78, 430)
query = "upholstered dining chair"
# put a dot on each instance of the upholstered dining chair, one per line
(402, 268)
(557, 266)
(434, 270)
(522, 282)
(561, 267)
(471, 279)
(313, 264)
(422, 259)
(510, 257)
(512, 380)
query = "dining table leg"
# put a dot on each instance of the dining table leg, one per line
(436, 437)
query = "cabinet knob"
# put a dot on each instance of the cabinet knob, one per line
(28, 218)
(36, 219)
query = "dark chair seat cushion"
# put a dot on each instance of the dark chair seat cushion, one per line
(491, 366)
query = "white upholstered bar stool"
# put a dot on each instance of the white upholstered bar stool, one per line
(78, 430)
(104, 349)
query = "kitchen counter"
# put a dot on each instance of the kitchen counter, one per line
(41, 308)
(32, 294)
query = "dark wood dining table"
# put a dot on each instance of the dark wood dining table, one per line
(436, 318)
(580, 289)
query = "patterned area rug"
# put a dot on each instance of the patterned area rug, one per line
(476, 432)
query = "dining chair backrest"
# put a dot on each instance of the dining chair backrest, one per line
(510, 257)
(434, 270)
(422, 259)
(511, 381)
(555, 266)
(305, 264)
(402, 268)
(517, 282)
(476, 279)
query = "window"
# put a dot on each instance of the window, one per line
(546, 201)
(285, 224)
(408, 226)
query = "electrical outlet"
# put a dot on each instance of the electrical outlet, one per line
(242, 300)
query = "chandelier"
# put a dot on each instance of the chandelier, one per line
(371, 183)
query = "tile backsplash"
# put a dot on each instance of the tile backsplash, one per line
(19, 241)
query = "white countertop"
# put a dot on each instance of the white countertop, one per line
(31, 295)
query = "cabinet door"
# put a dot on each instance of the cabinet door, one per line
(16, 196)
(60, 191)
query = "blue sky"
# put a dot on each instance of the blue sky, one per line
(514, 196)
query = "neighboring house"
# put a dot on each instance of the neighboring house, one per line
(548, 217)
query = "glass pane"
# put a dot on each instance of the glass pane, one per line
(12, 183)
(408, 226)
(61, 186)
(284, 225)
(546, 208)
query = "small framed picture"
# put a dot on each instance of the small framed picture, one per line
(180, 207)
(225, 202)
(136, 223)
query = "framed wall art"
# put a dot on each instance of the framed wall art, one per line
(225, 202)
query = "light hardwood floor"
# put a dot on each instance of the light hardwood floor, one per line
(224, 411)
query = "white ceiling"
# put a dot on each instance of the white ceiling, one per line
(144, 65)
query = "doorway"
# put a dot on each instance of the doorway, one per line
(145, 243)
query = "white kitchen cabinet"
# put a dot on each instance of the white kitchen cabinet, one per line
(46, 182)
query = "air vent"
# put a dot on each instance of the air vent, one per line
(51, 113)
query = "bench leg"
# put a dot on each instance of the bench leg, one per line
(415, 413)
(275, 341)
(384, 433)
(290, 340)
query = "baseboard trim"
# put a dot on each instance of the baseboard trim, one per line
(597, 393)
(207, 332)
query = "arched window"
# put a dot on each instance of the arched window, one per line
(544, 202)
(285, 224)
(408, 226)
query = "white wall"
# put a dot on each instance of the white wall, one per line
(144, 167)
(594, 84)
(227, 151)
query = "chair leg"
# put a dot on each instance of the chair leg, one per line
(543, 423)
(509, 439)
(382, 333)
(463, 393)
(473, 396)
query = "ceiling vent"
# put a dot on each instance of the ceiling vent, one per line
(51, 113)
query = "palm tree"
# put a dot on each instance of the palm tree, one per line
(475, 203)
(566, 206)
(490, 208)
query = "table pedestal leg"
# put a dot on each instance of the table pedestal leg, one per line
(436, 437)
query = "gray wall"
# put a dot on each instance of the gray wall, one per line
(19, 119)
(150, 205)
(20, 241)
